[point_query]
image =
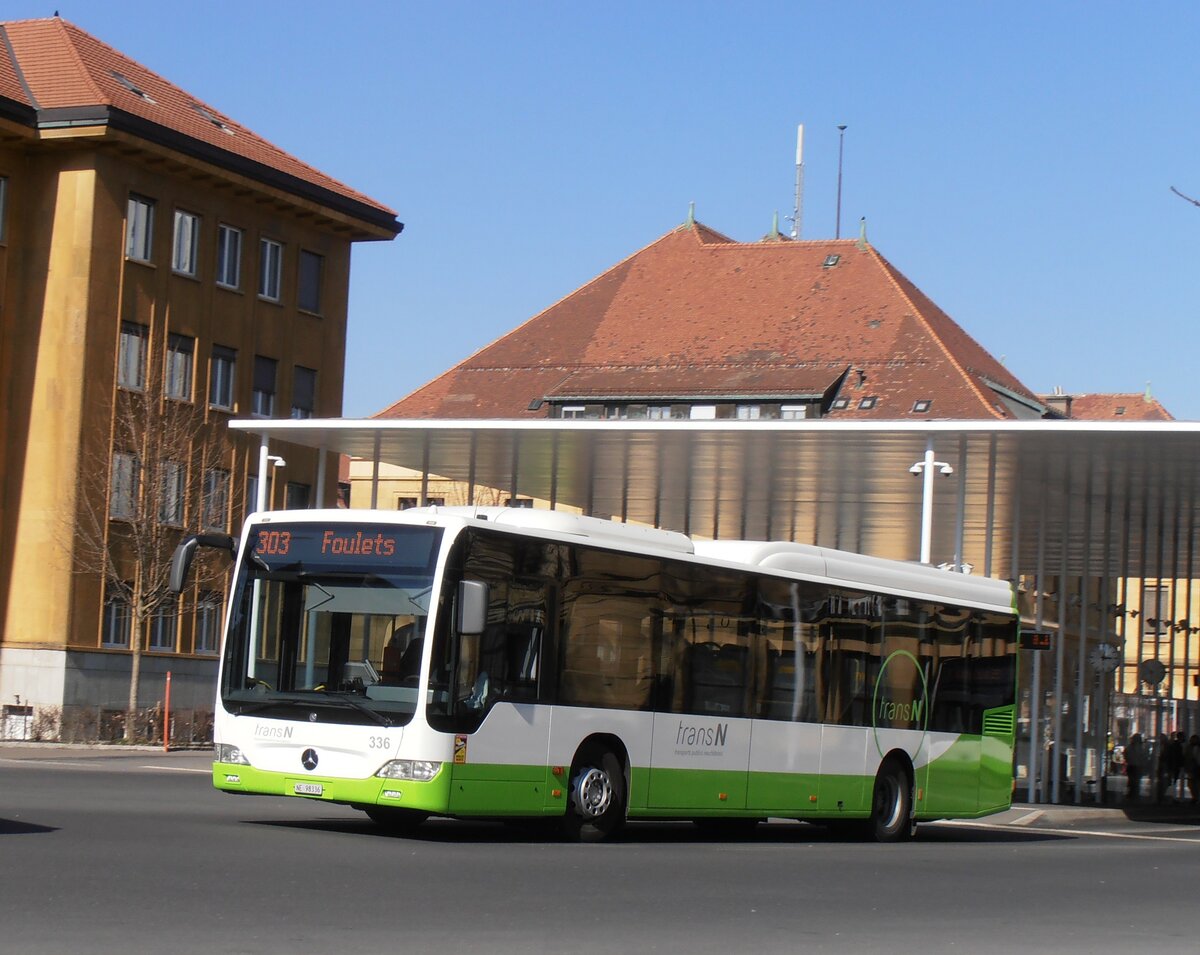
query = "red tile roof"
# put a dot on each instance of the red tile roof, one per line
(696, 313)
(1113, 407)
(61, 72)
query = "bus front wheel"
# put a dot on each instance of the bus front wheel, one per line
(892, 804)
(595, 797)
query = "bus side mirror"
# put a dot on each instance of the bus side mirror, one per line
(472, 606)
(185, 553)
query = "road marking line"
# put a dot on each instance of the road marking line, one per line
(1029, 817)
(178, 769)
(1070, 832)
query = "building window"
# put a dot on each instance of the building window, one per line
(435, 502)
(139, 228)
(263, 399)
(748, 412)
(163, 625)
(922, 406)
(171, 475)
(220, 377)
(3, 208)
(658, 412)
(180, 349)
(252, 493)
(840, 404)
(229, 256)
(118, 621)
(187, 238)
(702, 412)
(123, 495)
(304, 392)
(866, 404)
(131, 356)
(208, 622)
(519, 502)
(404, 503)
(793, 412)
(270, 269)
(573, 411)
(308, 292)
(296, 496)
(215, 514)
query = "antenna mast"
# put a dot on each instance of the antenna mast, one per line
(798, 211)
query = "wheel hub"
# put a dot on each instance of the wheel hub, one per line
(593, 792)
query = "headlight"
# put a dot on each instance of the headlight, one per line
(228, 753)
(418, 770)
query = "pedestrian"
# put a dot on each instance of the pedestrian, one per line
(1191, 766)
(1174, 765)
(1135, 766)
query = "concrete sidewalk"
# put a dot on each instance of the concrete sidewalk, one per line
(1046, 814)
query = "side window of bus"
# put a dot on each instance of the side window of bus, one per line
(505, 661)
(851, 659)
(993, 666)
(951, 686)
(788, 644)
(706, 659)
(608, 619)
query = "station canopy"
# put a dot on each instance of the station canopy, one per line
(1082, 498)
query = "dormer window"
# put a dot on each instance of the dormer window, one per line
(213, 118)
(132, 86)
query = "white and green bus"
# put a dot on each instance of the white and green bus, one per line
(511, 663)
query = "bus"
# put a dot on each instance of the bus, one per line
(511, 663)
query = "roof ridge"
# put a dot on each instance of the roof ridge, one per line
(962, 370)
(62, 26)
(559, 301)
(241, 128)
(569, 369)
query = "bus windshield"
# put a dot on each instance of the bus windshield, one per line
(328, 622)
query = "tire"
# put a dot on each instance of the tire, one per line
(400, 822)
(892, 804)
(596, 797)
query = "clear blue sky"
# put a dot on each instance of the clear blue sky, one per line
(1014, 160)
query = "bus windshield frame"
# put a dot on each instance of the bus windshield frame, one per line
(328, 621)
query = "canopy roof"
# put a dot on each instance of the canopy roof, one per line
(1080, 497)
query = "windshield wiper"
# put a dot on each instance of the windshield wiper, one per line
(256, 706)
(342, 699)
(244, 708)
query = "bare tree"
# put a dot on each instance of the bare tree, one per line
(1195, 202)
(168, 473)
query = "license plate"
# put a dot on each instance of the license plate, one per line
(309, 789)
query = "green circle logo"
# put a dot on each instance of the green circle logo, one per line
(912, 711)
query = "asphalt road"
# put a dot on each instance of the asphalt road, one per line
(135, 852)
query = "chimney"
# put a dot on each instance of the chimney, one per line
(1059, 402)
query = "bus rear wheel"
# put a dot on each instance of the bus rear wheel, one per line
(595, 797)
(401, 822)
(892, 804)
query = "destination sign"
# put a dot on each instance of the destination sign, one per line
(1036, 640)
(409, 548)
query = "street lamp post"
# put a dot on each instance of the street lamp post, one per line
(925, 469)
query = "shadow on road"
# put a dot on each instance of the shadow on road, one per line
(488, 832)
(11, 827)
